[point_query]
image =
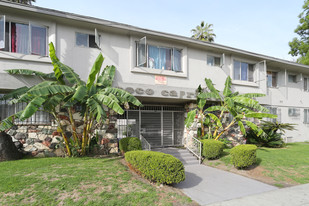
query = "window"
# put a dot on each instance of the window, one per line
(86, 40)
(275, 111)
(23, 38)
(243, 71)
(272, 79)
(306, 116)
(293, 112)
(6, 110)
(157, 57)
(292, 78)
(306, 84)
(213, 61)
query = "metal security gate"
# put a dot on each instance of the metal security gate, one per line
(159, 125)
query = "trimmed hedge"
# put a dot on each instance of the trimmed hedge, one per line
(157, 166)
(130, 144)
(212, 149)
(243, 155)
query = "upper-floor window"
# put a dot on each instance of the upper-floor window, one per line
(306, 84)
(293, 112)
(243, 71)
(272, 79)
(158, 57)
(23, 38)
(85, 40)
(213, 61)
(292, 78)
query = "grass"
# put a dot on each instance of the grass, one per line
(78, 181)
(289, 164)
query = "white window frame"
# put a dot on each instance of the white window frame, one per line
(140, 69)
(246, 62)
(272, 72)
(293, 112)
(276, 111)
(29, 23)
(291, 74)
(221, 60)
(96, 38)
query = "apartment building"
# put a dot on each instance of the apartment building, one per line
(162, 70)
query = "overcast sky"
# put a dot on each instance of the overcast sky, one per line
(264, 26)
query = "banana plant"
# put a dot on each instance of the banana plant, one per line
(64, 89)
(240, 106)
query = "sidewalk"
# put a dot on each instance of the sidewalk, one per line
(296, 196)
(207, 185)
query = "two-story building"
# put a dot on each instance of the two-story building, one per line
(162, 70)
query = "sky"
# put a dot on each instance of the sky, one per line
(263, 26)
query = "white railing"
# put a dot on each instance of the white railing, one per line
(195, 147)
(145, 143)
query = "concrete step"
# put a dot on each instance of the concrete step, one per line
(185, 156)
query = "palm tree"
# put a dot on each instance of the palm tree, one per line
(28, 2)
(240, 106)
(203, 32)
(63, 89)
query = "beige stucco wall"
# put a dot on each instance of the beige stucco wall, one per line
(119, 49)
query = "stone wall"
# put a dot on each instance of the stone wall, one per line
(45, 141)
(234, 135)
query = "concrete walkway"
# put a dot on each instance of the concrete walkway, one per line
(296, 196)
(207, 185)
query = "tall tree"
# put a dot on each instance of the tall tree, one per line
(204, 32)
(300, 46)
(28, 2)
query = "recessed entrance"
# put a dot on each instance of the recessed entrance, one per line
(159, 125)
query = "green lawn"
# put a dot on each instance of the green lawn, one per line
(78, 181)
(289, 164)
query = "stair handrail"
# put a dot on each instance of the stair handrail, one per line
(145, 144)
(197, 150)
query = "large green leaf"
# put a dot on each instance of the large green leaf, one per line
(216, 119)
(208, 95)
(80, 93)
(107, 77)
(242, 127)
(51, 90)
(211, 87)
(216, 108)
(61, 69)
(53, 102)
(32, 107)
(95, 70)
(247, 102)
(252, 95)
(260, 115)
(122, 95)
(227, 89)
(96, 109)
(190, 118)
(31, 72)
(15, 94)
(6, 123)
(258, 131)
(109, 102)
(201, 103)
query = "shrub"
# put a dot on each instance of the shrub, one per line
(243, 155)
(129, 144)
(157, 166)
(212, 149)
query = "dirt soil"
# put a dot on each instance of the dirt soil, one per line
(253, 172)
